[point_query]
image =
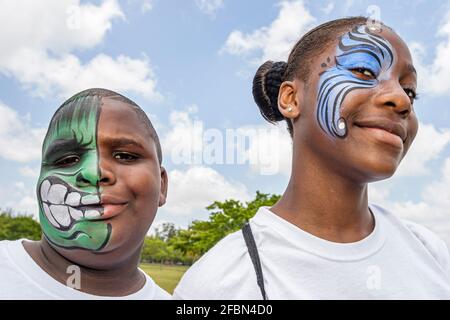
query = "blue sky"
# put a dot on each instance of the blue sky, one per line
(189, 65)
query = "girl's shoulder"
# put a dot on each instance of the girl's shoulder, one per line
(421, 234)
(214, 275)
(435, 245)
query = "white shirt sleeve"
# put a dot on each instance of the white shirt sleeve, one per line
(435, 246)
(224, 272)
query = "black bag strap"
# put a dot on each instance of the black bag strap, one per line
(253, 251)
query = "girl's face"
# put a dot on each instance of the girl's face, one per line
(362, 89)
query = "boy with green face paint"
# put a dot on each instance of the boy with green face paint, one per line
(99, 188)
(68, 212)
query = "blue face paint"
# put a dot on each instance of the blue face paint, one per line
(358, 48)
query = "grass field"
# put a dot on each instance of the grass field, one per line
(166, 276)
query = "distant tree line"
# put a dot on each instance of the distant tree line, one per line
(169, 244)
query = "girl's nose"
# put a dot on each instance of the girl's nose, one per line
(393, 96)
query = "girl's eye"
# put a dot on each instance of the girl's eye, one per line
(411, 94)
(366, 73)
(124, 156)
(67, 161)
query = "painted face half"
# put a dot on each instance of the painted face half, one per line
(69, 195)
(357, 49)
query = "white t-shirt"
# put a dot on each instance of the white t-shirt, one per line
(22, 278)
(398, 260)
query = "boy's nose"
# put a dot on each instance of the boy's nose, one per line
(107, 176)
(89, 175)
(395, 97)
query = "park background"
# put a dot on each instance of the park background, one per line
(189, 65)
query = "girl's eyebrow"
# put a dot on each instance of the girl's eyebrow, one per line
(410, 68)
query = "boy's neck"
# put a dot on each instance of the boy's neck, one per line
(120, 280)
(323, 202)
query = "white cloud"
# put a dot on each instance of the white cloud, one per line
(427, 146)
(19, 141)
(20, 198)
(184, 142)
(56, 25)
(275, 41)
(38, 48)
(348, 4)
(328, 8)
(146, 6)
(29, 172)
(438, 192)
(270, 150)
(198, 187)
(433, 77)
(209, 7)
(266, 149)
(431, 209)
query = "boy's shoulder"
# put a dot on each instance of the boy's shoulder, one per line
(214, 275)
(8, 248)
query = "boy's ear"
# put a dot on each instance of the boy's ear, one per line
(289, 103)
(163, 192)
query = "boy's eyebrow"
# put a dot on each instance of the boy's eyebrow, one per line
(122, 141)
(62, 145)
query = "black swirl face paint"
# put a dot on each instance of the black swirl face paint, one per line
(359, 48)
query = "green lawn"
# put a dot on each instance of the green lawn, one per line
(166, 276)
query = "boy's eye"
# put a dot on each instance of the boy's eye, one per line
(363, 72)
(125, 156)
(67, 161)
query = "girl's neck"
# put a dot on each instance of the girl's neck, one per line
(121, 280)
(323, 202)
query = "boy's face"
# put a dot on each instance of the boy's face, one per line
(362, 89)
(101, 182)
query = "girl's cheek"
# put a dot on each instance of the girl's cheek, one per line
(335, 84)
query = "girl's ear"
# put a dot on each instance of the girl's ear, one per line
(288, 100)
(163, 190)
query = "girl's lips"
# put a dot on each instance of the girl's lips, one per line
(384, 136)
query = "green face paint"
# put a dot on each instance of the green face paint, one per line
(68, 186)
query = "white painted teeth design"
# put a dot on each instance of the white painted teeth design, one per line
(61, 214)
(76, 214)
(49, 216)
(73, 199)
(90, 199)
(92, 214)
(45, 186)
(56, 194)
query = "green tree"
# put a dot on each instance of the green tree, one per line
(225, 217)
(166, 231)
(154, 250)
(13, 227)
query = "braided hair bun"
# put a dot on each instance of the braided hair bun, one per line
(266, 85)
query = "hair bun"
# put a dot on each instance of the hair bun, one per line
(266, 85)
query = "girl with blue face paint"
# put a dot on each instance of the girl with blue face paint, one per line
(347, 95)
